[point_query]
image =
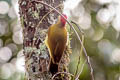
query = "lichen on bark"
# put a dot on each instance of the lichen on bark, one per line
(36, 53)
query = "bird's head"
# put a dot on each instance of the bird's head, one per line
(62, 20)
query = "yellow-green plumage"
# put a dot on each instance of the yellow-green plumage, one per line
(56, 42)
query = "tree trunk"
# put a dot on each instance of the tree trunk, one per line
(34, 31)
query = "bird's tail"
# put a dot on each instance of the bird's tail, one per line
(53, 68)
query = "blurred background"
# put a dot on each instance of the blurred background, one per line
(100, 21)
(11, 53)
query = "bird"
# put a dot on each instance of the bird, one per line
(56, 42)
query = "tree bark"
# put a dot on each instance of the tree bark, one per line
(36, 53)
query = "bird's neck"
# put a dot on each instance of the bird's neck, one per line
(61, 24)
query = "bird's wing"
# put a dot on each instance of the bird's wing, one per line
(49, 45)
(58, 52)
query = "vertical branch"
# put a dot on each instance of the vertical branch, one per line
(35, 51)
(81, 50)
